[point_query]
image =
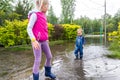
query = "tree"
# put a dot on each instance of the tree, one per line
(51, 16)
(6, 5)
(68, 8)
(6, 11)
(116, 19)
(110, 23)
(96, 25)
(85, 23)
(22, 8)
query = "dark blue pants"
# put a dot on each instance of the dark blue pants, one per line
(78, 50)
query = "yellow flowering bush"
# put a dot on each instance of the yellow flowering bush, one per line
(115, 38)
(14, 33)
(50, 30)
(115, 35)
(70, 31)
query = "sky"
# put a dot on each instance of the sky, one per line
(90, 8)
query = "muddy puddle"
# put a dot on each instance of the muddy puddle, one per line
(94, 66)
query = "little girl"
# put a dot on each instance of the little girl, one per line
(38, 32)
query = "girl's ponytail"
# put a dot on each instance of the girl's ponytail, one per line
(39, 4)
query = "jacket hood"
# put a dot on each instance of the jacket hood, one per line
(31, 12)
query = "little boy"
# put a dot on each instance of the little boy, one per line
(80, 41)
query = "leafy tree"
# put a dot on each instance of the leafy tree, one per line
(85, 23)
(68, 8)
(96, 25)
(116, 19)
(6, 6)
(2, 17)
(51, 16)
(110, 23)
(22, 8)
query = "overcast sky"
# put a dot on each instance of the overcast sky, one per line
(90, 8)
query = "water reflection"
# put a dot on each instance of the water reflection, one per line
(64, 66)
(79, 69)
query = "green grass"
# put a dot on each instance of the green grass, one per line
(57, 42)
(115, 49)
(29, 47)
(3, 73)
(18, 48)
(115, 55)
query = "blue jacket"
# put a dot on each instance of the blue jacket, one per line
(80, 41)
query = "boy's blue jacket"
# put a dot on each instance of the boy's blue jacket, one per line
(80, 41)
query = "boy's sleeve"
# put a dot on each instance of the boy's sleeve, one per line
(76, 42)
(83, 40)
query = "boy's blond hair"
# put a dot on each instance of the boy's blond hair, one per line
(79, 29)
(39, 3)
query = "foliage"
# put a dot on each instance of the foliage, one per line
(114, 38)
(22, 8)
(14, 33)
(7, 11)
(68, 8)
(50, 30)
(89, 26)
(116, 19)
(115, 54)
(6, 5)
(115, 35)
(58, 32)
(51, 16)
(70, 31)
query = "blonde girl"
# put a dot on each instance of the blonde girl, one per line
(38, 32)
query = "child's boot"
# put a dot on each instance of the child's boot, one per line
(48, 73)
(35, 76)
(76, 58)
(81, 57)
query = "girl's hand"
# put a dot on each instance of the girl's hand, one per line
(36, 45)
(48, 41)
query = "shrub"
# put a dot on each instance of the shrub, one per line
(50, 30)
(58, 32)
(114, 37)
(70, 31)
(14, 33)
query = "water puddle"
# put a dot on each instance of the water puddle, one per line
(94, 66)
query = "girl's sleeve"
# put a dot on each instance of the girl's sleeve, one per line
(30, 26)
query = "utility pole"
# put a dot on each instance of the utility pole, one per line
(105, 22)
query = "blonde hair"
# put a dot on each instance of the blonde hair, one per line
(79, 29)
(39, 3)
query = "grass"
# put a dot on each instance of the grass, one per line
(57, 42)
(19, 48)
(3, 74)
(29, 47)
(115, 49)
(115, 55)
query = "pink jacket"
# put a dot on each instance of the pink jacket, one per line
(40, 29)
